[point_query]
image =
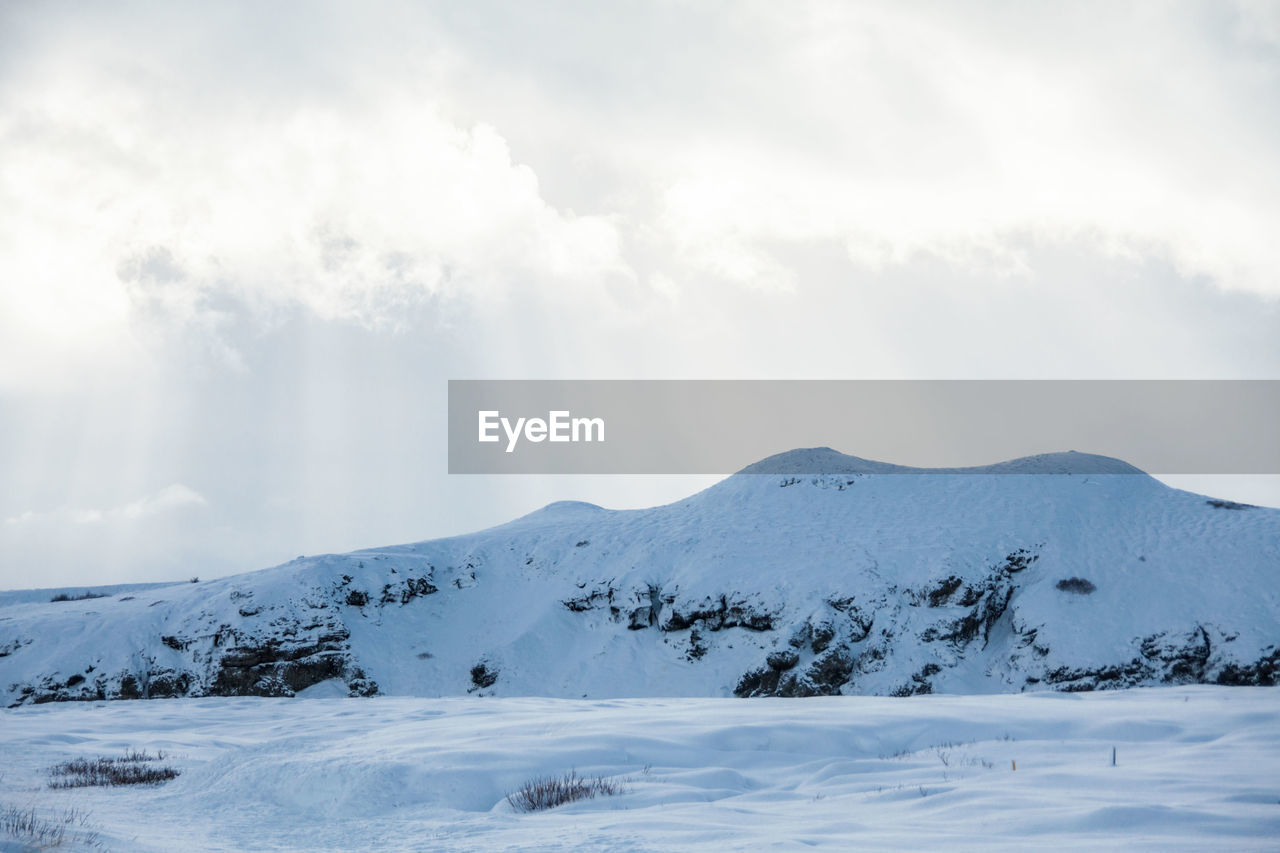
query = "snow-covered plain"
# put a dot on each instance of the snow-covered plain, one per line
(1198, 769)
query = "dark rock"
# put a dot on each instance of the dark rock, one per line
(129, 688)
(174, 643)
(1165, 659)
(417, 588)
(824, 677)
(483, 676)
(168, 684)
(979, 621)
(1262, 673)
(243, 669)
(771, 682)
(640, 618)
(919, 684)
(697, 649)
(271, 685)
(860, 627)
(1220, 504)
(597, 598)
(831, 671)
(941, 593)
(717, 615)
(757, 682)
(358, 684)
(821, 636)
(782, 661)
(1018, 561)
(801, 636)
(1184, 660)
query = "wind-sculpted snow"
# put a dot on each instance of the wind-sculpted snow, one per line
(1195, 770)
(869, 580)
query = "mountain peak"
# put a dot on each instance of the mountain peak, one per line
(824, 460)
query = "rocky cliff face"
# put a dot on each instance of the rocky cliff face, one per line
(1063, 572)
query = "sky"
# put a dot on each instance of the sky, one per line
(244, 246)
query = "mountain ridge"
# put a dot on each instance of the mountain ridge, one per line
(1073, 575)
(825, 460)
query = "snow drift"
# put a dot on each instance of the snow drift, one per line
(1063, 572)
(1195, 771)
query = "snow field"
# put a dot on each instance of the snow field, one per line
(1198, 769)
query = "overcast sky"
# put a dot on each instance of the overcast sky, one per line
(244, 246)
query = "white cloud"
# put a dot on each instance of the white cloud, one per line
(1259, 20)
(119, 215)
(366, 170)
(963, 135)
(169, 499)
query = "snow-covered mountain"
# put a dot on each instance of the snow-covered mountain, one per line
(1063, 571)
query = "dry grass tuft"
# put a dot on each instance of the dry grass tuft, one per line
(132, 768)
(547, 792)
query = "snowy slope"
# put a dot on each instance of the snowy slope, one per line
(869, 579)
(1196, 770)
